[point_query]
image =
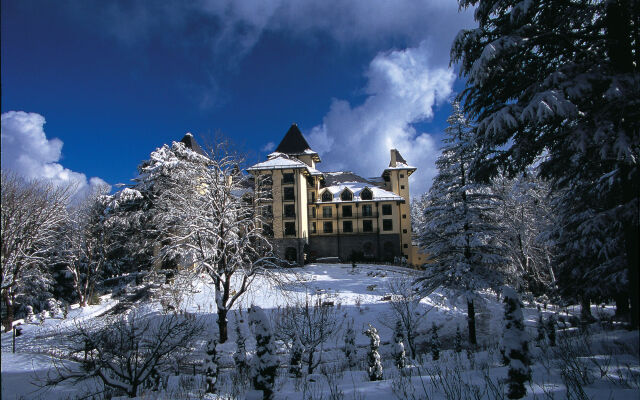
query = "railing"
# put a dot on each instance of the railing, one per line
(288, 215)
(287, 182)
(352, 216)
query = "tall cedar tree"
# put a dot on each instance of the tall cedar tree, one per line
(560, 78)
(461, 231)
(265, 362)
(206, 221)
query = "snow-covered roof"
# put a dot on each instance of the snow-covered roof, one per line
(356, 188)
(401, 166)
(279, 162)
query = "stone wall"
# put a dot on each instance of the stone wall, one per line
(372, 246)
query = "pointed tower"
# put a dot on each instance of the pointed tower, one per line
(190, 142)
(396, 180)
(294, 144)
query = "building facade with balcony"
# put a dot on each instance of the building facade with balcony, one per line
(312, 214)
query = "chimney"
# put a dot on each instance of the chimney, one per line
(392, 163)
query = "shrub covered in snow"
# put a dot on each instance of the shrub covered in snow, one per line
(515, 345)
(435, 343)
(399, 354)
(265, 363)
(211, 366)
(350, 350)
(373, 357)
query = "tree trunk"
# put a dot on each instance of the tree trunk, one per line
(585, 312)
(310, 366)
(8, 304)
(622, 305)
(222, 325)
(471, 320)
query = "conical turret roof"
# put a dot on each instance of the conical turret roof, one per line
(293, 142)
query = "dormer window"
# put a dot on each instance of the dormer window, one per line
(327, 196)
(346, 195)
(366, 194)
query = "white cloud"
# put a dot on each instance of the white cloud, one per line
(268, 147)
(27, 152)
(403, 88)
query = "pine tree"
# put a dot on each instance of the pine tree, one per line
(399, 354)
(240, 356)
(515, 345)
(265, 363)
(373, 357)
(295, 363)
(461, 232)
(458, 340)
(560, 79)
(211, 366)
(542, 330)
(350, 351)
(435, 343)
(551, 329)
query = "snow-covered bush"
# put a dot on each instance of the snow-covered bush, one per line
(435, 342)
(458, 340)
(550, 328)
(350, 350)
(515, 345)
(265, 363)
(128, 350)
(240, 356)
(374, 366)
(295, 362)
(211, 366)
(398, 347)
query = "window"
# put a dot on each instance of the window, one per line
(387, 225)
(367, 210)
(366, 194)
(367, 249)
(346, 195)
(313, 227)
(404, 231)
(347, 226)
(265, 180)
(289, 193)
(313, 197)
(406, 246)
(346, 211)
(404, 216)
(367, 225)
(290, 254)
(326, 212)
(328, 227)
(386, 209)
(289, 228)
(289, 211)
(287, 178)
(313, 212)
(401, 175)
(401, 186)
(327, 196)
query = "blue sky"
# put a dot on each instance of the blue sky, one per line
(90, 88)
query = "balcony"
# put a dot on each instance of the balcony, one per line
(352, 216)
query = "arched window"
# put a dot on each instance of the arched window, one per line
(346, 195)
(366, 194)
(327, 196)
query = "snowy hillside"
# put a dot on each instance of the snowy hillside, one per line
(600, 362)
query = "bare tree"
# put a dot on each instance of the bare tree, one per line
(86, 246)
(208, 220)
(32, 214)
(312, 323)
(127, 351)
(407, 310)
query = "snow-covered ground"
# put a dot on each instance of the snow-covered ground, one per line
(606, 360)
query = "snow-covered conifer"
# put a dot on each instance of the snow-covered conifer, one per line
(435, 342)
(458, 340)
(574, 103)
(399, 354)
(462, 230)
(240, 356)
(295, 362)
(350, 351)
(515, 345)
(265, 363)
(551, 329)
(541, 329)
(374, 365)
(211, 365)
